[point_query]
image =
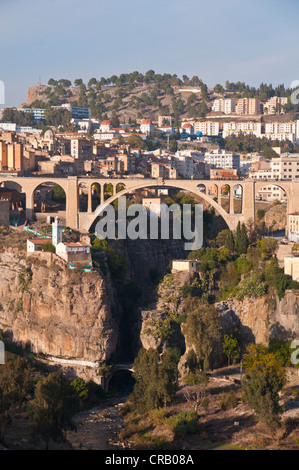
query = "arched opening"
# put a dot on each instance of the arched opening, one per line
(238, 199)
(49, 199)
(120, 187)
(201, 188)
(271, 209)
(13, 193)
(225, 194)
(108, 191)
(213, 192)
(122, 382)
(95, 194)
(83, 197)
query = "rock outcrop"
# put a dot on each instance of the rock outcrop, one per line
(264, 317)
(55, 311)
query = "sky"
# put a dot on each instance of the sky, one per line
(252, 42)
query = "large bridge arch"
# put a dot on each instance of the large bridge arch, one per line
(191, 186)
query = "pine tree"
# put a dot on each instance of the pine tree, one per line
(229, 242)
(238, 239)
(243, 240)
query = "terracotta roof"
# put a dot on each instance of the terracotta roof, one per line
(146, 121)
(105, 123)
(77, 244)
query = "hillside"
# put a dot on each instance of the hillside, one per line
(134, 96)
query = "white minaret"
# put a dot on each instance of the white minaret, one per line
(56, 232)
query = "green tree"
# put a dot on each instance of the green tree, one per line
(203, 331)
(231, 348)
(156, 379)
(265, 377)
(52, 409)
(15, 385)
(229, 241)
(58, 193)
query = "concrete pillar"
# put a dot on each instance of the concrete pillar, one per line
(102, 193)
(72, 203)
(249, 202)
(89, 204)
(231, 200)
(29, 204)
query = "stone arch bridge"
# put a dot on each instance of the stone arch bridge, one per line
(207, 190)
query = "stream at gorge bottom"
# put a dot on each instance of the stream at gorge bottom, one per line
(99, 427)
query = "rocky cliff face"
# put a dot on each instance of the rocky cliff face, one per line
(265, 317)
(55, 311)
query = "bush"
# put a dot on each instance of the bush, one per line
(252, 286)
(183, 423)
(228, 400)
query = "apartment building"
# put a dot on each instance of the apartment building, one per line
(248, 128)
(207, 127)
(251, 106)
(285, 167)
(275, 105)
(282, 131)
(222, 159)
(226, 106)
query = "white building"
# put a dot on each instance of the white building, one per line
(226, 106)
(282, 131)
(187, 128)
(36, 244)
(285, 167)
(146, 126)
(248, 128)
(73, 251)
(222, 159)
(209, 128)
(105, 126)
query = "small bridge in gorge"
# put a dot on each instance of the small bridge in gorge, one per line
(209, 191)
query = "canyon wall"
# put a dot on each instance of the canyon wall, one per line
(56, 311)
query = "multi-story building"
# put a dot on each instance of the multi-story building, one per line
(37, 113)
(209, 128)
(222, 159)
(163, 170)
(282, 131)
(275, 105)
(226, 106)
(77, 112)
(248, 128)
(285, 167)
(250, 106)
(82, 148)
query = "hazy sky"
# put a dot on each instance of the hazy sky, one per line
(256, 41)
